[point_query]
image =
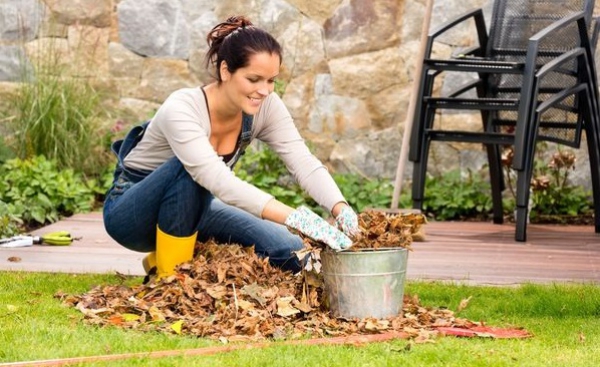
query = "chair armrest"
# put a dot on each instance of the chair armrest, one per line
(587, 41)
(578, 17)
(555, 65)
(475, 14)
(557, 62)
(549, 31)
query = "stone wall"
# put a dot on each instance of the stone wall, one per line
(347, 64)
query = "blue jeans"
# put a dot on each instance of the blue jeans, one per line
(170, 198)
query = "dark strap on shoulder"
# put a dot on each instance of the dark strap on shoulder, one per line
(122, 147)
(244, 140)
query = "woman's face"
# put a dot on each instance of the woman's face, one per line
(250, 85)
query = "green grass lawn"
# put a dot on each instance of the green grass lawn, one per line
(564, 319)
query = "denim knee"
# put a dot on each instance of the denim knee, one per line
(183, 202)
(282, 252)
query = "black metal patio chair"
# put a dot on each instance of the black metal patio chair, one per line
(535, 81)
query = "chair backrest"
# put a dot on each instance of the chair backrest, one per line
(513, 23)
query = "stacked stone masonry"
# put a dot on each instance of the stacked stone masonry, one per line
(347, 67)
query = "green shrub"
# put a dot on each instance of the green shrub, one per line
(454, 196)
(41, 192)
(263, 168)
(11, 223)
(100, 184)
(363, 193)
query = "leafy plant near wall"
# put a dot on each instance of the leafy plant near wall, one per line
(362, 193)
(37, 191)
(553, 196)
(453, 196)
(10, 219)
(263, 168)
(5, 151)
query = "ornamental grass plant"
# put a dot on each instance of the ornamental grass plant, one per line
(56, 111)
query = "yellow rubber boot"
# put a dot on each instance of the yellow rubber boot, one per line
(172, 251)
(149, 262)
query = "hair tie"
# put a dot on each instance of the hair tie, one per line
(238, 29)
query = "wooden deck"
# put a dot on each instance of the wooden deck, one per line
(462, 252)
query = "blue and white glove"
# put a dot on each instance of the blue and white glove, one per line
(347, 221)
(317, 228)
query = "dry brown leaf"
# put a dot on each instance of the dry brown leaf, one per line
(255, 292)
(463, 304)
(245, 305)
(304, 307)
(285, 308)
(217, 291)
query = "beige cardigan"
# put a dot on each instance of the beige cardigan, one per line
(181, 128)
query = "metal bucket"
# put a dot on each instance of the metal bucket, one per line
(365, 283)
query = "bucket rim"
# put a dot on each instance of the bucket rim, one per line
(363, 251)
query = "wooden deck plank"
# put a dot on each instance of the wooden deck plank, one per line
(464, 252)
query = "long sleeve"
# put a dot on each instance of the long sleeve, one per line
(275, 127)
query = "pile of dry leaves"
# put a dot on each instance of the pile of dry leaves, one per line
(379, 229)
(229, 293)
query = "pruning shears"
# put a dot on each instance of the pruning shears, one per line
(59, 238)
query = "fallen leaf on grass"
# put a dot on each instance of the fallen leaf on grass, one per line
(12, 308)
(376, 325)
(128, 317)
(245, 305)
(176, 326)
(486, 332)
(156, 314)
(463, 304)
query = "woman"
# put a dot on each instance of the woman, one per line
(174, 182)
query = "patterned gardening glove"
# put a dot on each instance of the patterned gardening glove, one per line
(317, 228)
(347, 221)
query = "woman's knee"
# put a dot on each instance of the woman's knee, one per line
(282, 249)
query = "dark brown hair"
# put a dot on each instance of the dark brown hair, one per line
(234, 41)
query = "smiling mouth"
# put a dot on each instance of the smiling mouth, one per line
(255, 99)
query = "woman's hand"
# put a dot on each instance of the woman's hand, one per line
(317, 228)
(347, 221)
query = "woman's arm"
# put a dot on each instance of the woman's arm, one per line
(275, 126)
(276, 211)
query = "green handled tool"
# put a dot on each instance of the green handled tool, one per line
(59, 238)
